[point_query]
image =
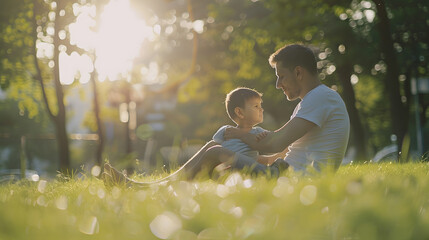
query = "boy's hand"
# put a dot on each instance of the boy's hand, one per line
(261, 135)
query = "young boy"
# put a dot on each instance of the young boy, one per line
(244, 108)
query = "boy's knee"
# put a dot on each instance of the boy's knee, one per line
(214, 151)
(220, 153)
(212, 144)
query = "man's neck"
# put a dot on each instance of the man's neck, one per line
(311, 84)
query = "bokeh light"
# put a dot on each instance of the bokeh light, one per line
(95, 171)
(89, 225)
(164, 225)
(41, 186)
(308, 195)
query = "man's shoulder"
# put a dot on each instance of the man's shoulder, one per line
(323, 89)
(319, 105)
(323, 93)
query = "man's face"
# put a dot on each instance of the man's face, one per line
(287, 81)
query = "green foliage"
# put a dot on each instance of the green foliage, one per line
(16, 121)
(372, 106)
(363, 201)
(16, 67)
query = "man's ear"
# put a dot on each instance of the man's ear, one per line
(238, 112)
(299, 71)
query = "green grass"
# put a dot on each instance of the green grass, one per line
(361, 201)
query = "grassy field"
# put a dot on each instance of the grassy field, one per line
(361, 201)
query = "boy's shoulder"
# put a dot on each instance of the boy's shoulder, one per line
(218, 136)
(257, 129)
(224, 127)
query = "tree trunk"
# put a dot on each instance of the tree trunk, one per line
(100, 147)
(397, 109)
(344, 72)
(100, 130)
(62, 138)
(63, 143)
(59, 120)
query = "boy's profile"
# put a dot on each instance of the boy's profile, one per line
(244, 108)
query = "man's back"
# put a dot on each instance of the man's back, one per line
(324, 145)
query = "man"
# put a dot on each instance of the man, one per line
(316, 134)
(318, 130)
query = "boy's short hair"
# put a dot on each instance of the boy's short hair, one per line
(238, 98)
(291, 56)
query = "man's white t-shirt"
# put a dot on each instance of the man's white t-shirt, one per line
(325, 145)
(236, 145)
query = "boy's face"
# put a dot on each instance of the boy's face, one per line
(253, 111)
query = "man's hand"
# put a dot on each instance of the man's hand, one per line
(246, 137)
(231, 133)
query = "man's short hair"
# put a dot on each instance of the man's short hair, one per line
(291, 56)
(238, 98)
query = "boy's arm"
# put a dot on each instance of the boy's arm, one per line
(275, 141)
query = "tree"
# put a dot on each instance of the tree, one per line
(398, 112)
(40, 11)
(403, 25)
(21, 110)
(96, 101)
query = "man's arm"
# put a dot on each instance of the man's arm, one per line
(269, 159)
(276, 141)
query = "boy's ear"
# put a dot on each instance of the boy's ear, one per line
(238, 112)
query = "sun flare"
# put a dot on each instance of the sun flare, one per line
(116, 44)
(119, 39)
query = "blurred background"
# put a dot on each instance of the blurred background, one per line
(141, 83)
